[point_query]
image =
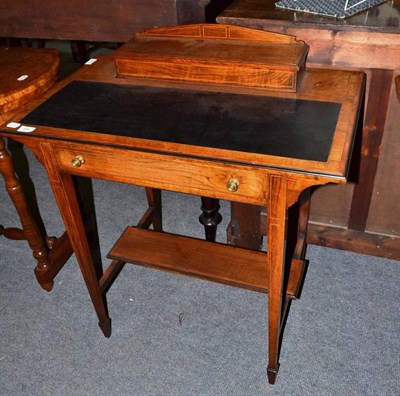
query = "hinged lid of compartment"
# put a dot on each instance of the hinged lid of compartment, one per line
(214, 54)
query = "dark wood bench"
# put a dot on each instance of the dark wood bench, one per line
(95, 22)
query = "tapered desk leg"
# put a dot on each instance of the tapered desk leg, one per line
(66, 196)
(303, 216)
(154, 201)
(276, 224)
(31, 231)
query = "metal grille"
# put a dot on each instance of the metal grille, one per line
(331, 8)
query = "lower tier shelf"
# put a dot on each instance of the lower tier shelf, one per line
(215, 262)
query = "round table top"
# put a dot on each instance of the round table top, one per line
(25, 74)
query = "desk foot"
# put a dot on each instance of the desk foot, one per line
(272, 373)
(59, 250)
(105, 327)
(42, 278)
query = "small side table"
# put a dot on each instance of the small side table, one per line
(26, 74)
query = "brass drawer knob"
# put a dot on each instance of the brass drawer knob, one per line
(232, 185)
(77, 161)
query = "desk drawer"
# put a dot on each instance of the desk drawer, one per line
(168, 172)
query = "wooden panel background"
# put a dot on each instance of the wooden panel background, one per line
(386, 193)
(101, 20)
(363, 216)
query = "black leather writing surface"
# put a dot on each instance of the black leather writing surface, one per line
(257, 124)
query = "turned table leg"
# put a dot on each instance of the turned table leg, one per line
(210, 218)
(31, 231)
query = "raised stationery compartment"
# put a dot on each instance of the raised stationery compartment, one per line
(214, 54)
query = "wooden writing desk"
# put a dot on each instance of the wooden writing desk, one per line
(250, 145)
